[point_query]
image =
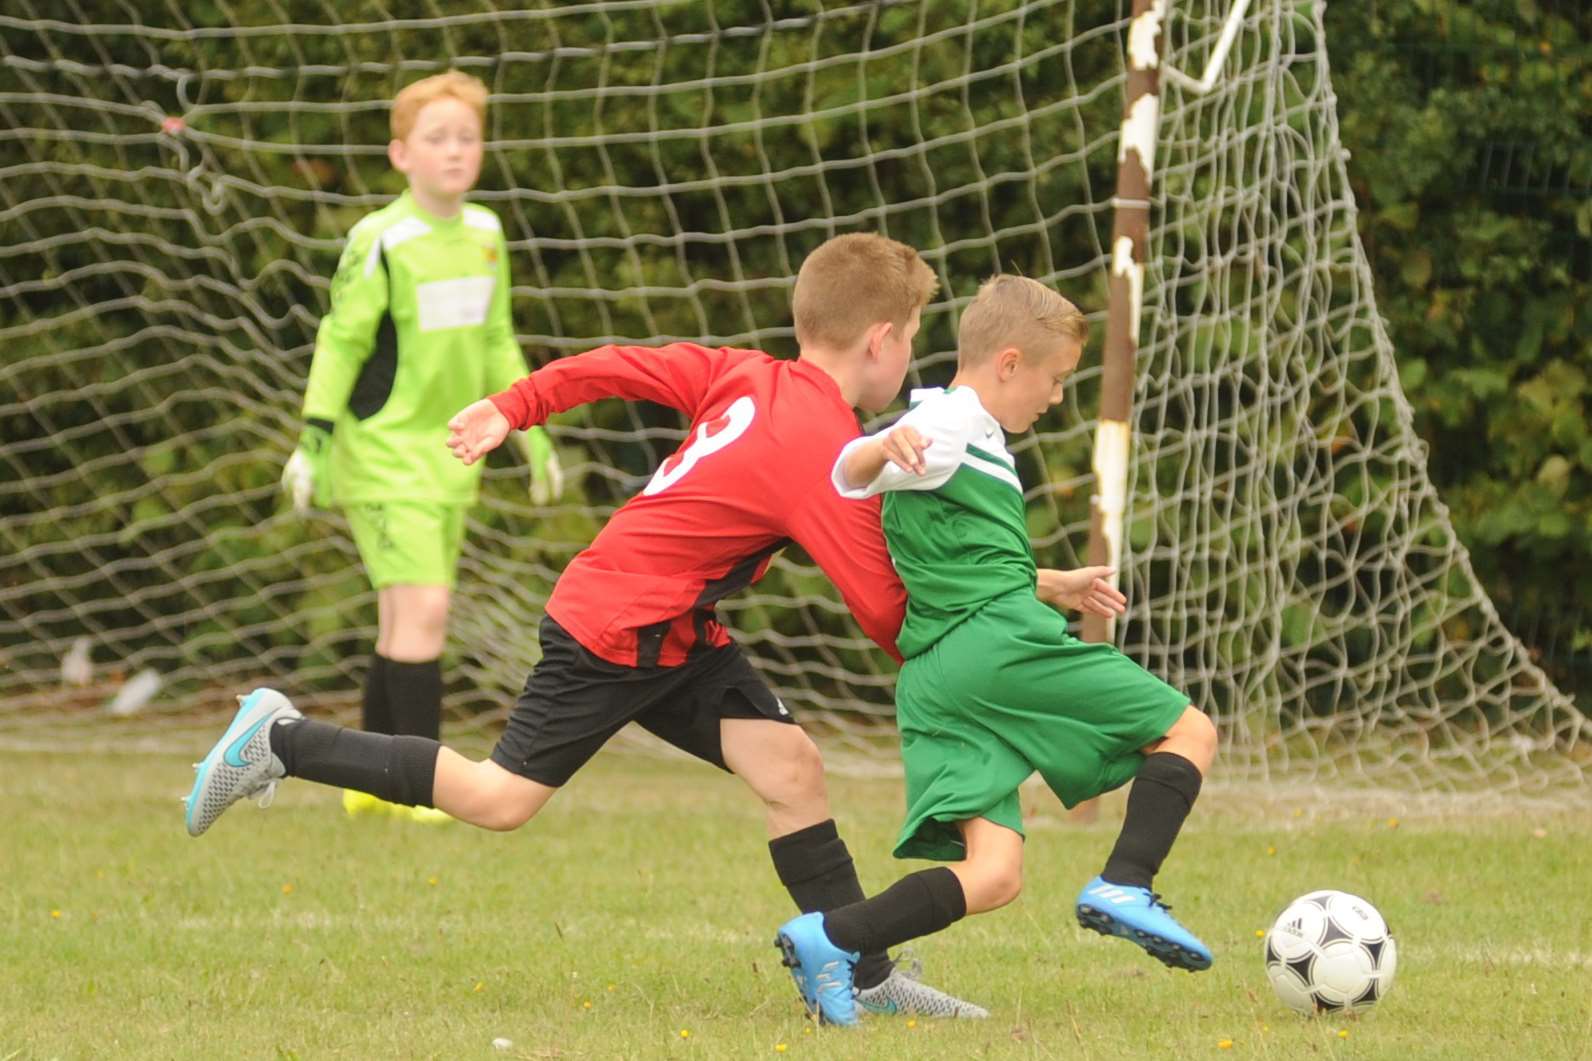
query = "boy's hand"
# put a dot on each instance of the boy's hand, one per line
(477, 430)
(304, 475)
(904, 446)
(547, 475)
(1087, 589)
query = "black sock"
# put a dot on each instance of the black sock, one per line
(375, 714)
(397, 769)
(915, 905)
(816, 868)
(1162, 795)
(415, 692)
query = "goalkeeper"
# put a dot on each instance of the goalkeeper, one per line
(419, 327)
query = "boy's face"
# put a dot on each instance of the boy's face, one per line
(1033, 383)
(441, 156)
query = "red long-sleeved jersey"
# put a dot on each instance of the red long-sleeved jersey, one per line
(752, 475)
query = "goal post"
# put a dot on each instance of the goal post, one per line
(178, 184)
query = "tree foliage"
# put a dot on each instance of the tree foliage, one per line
(1470, 131)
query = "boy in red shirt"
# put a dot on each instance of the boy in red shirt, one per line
(630, 632)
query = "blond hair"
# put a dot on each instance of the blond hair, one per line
(1015, 311)
(406, 106)
(853, 282)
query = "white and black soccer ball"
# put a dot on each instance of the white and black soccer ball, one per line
(1330, 952)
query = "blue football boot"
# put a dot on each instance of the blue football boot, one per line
(1137, 914)
(822, 971)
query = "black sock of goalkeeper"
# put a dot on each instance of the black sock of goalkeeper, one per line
(375, 715)
(916, 905)
(816, 868)
(398, 769)
(1162, 795)
(415, 692)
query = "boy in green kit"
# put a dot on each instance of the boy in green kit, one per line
(419, 327)
(993, 688)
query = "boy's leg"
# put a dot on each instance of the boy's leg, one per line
(403, 690)
(569, 708)
(269, 740)
(414, 625)
(916, 905)
(375, 713)
(410, 550)
(1163, 793)
(782, 765)
(1119, 901)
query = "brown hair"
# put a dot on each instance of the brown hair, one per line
(854, 281)
(1015, 311)
(454, 84)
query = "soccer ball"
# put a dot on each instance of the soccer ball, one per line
(1330, 952)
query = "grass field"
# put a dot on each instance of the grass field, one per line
(633, 920)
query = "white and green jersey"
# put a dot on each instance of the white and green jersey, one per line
(419, 328)
(958, 533)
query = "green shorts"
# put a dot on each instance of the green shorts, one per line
(410, 543)
(1009, 692)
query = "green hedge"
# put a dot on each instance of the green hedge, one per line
(1470, 131)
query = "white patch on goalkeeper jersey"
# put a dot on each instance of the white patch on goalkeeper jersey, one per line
(461, 303)
(399, 234)
(482, 218)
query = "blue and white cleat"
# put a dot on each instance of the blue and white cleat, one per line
(904, 993)
(1138, 915)
(822, 971)
(241, 763)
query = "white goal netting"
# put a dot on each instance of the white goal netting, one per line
(174, 196)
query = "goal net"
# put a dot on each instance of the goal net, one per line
(178, 182)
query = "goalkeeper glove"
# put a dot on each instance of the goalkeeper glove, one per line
(304, 475)
(547, 477)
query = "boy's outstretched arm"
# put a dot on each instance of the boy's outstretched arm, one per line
(678, 375)
(477, 430)
(902, 446)
(1084, 589)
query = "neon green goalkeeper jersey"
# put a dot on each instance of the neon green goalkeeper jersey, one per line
(419, 328)
(958, 534)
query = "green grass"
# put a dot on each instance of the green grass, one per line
(633, 920)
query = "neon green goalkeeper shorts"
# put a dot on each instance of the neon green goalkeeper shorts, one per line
(1009, 692)
(409, 543)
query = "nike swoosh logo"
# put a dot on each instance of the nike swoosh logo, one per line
(234, 753)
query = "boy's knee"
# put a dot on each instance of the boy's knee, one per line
(798, 771)
(783, 768)
(498, 802)
(1201, 731)
(426, 614)
(991, 882)
(1006, 885)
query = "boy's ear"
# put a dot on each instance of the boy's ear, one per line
(398, 155)
(1006, 363)
(877, 334)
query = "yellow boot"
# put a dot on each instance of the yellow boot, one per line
(362, 804)
(427, 815)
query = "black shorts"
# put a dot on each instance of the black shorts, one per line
(575, 700)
